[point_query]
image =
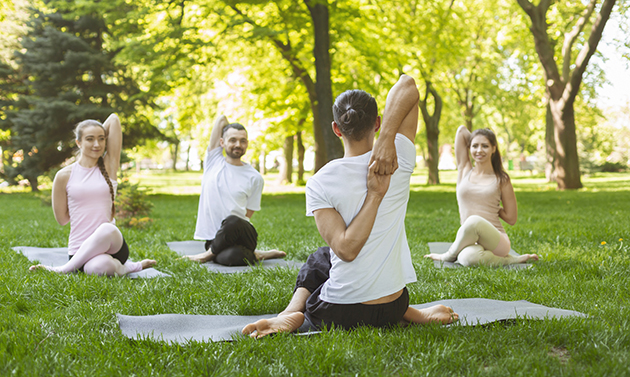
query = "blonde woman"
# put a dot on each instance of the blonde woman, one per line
(83, 195)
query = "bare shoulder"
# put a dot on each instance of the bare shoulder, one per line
(506, 183)
(64, 173)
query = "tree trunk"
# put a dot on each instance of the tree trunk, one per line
(263, 165)
(563, 85)
(323, 83)
(468, 114)
(174, 153)
(467, 103)
(32, 181)
(318, 134)
(432, 122)
(287, 171)
(188, 156)
(550, 146)
(300, 157)
(302, 73)
(567, 165)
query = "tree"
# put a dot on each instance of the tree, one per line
(562, 85)
(432, 122)
(327, 145)
(71, 78)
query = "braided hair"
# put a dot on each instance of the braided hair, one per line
(78, 132)
(355, 113)
(497, 164)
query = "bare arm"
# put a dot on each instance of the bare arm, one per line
(400, 116)
(60, 197)
(249, 214)
(462, 156)
(217, 132)
(509, 211)
(113, 130)
(347, 242)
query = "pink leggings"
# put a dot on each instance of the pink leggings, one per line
(479, 242)
(95, 254)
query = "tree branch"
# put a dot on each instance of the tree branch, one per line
(543, 46)
(527, 7)
(287, 53)
(571, 37)
(588, 50)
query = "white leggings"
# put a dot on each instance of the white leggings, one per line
(95, 254)
(479, 243)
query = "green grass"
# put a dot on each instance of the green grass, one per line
(66, 325)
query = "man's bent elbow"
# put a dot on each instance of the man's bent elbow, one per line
(410, 83)
(346, 256)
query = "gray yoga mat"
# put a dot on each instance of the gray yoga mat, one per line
(442, 247)
(196, 247)
(58, 256)
(180, 328)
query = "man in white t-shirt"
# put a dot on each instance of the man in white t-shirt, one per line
(359, 204)
(230, 194)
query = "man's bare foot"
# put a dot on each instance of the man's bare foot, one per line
(282, 323)
(435, 314)
(269, 254)
(147, 263)
(200, 258)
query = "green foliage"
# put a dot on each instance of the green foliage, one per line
(613, 167)
(132, 206)
(68, 323)
(68, 75)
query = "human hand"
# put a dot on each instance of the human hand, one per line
(377, 183)
(384, 156)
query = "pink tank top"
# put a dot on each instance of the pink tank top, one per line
(480, 200)
(89, 203)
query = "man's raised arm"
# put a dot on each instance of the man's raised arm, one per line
(217, 132)
(400, 116)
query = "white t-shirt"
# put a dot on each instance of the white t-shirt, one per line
(383, 266)
(226, 190)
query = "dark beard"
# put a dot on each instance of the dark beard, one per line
(239, 153)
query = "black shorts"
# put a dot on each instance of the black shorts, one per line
(234, 243)
(122, 254)
(320, 313)
(347, 316)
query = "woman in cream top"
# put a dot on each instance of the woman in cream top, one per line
(485, 197)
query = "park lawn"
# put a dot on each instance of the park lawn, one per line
(66, 325)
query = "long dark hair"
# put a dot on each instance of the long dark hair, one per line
(78, 132)
(497, 164)
(355, 113)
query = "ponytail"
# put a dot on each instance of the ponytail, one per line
(101, 167)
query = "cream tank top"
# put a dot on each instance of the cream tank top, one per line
(480, 200)
(89, 203)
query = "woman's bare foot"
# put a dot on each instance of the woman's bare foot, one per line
(282, 323)
(40, 267)
(147, 263)
(525, 257)
(435, 314)
(269, 254)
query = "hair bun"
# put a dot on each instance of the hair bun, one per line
(351, 116)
